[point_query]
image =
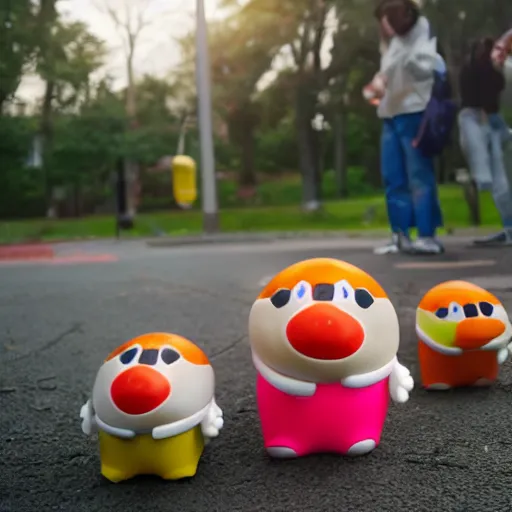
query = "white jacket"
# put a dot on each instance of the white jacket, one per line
(408, 65)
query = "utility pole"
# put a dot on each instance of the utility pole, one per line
(208, 181)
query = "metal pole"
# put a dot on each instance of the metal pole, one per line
(209, 185)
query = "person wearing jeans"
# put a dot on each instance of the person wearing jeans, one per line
(404, 86)
(410, 183)
(483, 132)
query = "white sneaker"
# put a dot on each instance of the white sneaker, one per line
(426, 246)
(390, 248)
(398, 243)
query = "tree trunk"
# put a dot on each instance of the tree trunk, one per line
(308, 155)
(132, 167)
(46, 17)
(247, 177)
(340, 153)
(316, 147)
(242, 122)
(131, 99)
(47, 140)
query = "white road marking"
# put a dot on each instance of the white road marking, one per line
(440, 265)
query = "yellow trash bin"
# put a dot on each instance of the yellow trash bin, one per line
(184, 180)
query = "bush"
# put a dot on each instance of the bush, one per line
(276, 150)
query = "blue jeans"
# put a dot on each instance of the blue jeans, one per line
(482, 141)
(409, 178)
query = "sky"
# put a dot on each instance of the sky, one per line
(158, 52)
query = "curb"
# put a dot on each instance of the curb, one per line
(246, 238)
(26, 252)
(33, 248)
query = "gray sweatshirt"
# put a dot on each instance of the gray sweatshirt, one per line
(408, 65)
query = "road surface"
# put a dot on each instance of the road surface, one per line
(439, 452)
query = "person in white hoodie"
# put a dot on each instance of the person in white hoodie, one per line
(402, 88)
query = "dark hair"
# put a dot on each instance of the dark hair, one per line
(402, 15)
(488, 45)
(480, 51)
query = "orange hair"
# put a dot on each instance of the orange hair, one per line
(323, 270)
(156, 340)
(461, 292)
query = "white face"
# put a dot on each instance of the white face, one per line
(324, 335)
(142, 389)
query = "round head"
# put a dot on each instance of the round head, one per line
(322, 320)
(397, 17)
(152, 380)
(460, 316)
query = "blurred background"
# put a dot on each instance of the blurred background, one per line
(87, 83)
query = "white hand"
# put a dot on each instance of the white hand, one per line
(89, 425)
(400, 383)
(503, 353)
(213, 421)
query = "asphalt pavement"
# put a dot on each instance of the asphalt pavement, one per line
(440, 452)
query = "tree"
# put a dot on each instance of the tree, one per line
(311, 23)
(46, 19)
(17, 44)
(80, 55)
(67, 56)
(87, 142)
(130, 18)
(243, 45)
(253, 34)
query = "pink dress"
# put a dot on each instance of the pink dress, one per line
(332, 420)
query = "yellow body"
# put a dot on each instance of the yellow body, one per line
(172, 458)
(184, 180)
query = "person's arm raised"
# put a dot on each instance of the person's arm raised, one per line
(422, 60)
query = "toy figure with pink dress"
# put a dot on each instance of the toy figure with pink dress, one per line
(324, 338)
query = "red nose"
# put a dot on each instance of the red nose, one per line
(139, 390)
(322, 331)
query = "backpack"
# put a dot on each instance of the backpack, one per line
(439, 118)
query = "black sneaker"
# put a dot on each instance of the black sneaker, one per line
(503, 238)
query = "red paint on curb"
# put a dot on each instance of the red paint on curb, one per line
(64, 260)
(26, 252)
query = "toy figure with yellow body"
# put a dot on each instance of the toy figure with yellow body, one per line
(464, 336)
(324, 339)
(153, 407)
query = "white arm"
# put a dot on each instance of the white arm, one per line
(213, 421)
(503, 353)
(422, 60)
(363, 380)
(89, 425)
(285, 384)
(400, 383)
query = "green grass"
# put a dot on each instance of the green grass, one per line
(280, 190)
(349, 215)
